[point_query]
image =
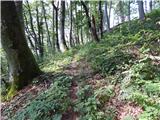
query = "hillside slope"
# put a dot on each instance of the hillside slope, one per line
(116, 79)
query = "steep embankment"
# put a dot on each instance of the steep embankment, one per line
(116, 79)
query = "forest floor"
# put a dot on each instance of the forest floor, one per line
(76, 69)
(82, 68)
(116, 79)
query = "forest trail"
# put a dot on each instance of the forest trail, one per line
(76, 69)
(82, 68)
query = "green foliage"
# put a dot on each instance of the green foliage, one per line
(103, 94)
(124, 53)
(142, 86)
(154, 15)
(57, 61)
(134, 26)
(150, 113)
(91, 102)
(53, 101)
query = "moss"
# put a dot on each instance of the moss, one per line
(12, 92)
(13, 88)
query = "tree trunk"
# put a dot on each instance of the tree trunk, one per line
(19, 8)
(32, 28)
(81, 28)
(76, 25)
(121, 9)
(129, 11)
(145, 4)
(71, 27)
(39, 33)
(29, 35)
(101, 19)
(91, 28)
(46, 24)
(107, 17)
(53, 27)
(150, 5)
(110, 7)
(62, 42)
(22, 65)
(141, 10)
(56, 20)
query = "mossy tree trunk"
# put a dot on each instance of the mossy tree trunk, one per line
(22, 65)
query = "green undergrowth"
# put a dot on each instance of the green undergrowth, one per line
(123, 50)
(91, 103)
(127, 55)
(57, 61)
(49, 104)
(142, 85)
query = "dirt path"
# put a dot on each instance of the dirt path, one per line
(70, 114)
(75, 69)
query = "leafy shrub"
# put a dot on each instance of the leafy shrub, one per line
(90, 103)
(53, 101)
(103, 94)
(142, 87)
(154, 15)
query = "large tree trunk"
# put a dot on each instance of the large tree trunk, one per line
(56, 20)
(101, 19)
(91, 25)
(19, 8)
(22, 65)
(141, 10)
(62, 42)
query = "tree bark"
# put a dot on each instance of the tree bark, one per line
(56, 20)
(91, 28)
(101, 18)
(32, 28)
(129, 10)
(141, 10)
(71, 24)
(150, 5)
(76, 25)
(121, 11)
(30, 35)
(39, 26)
(107, 16)
(62, 42)
(46, 24)
(22, 65)
(19, 8)
(82, 41)
(110, 7)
